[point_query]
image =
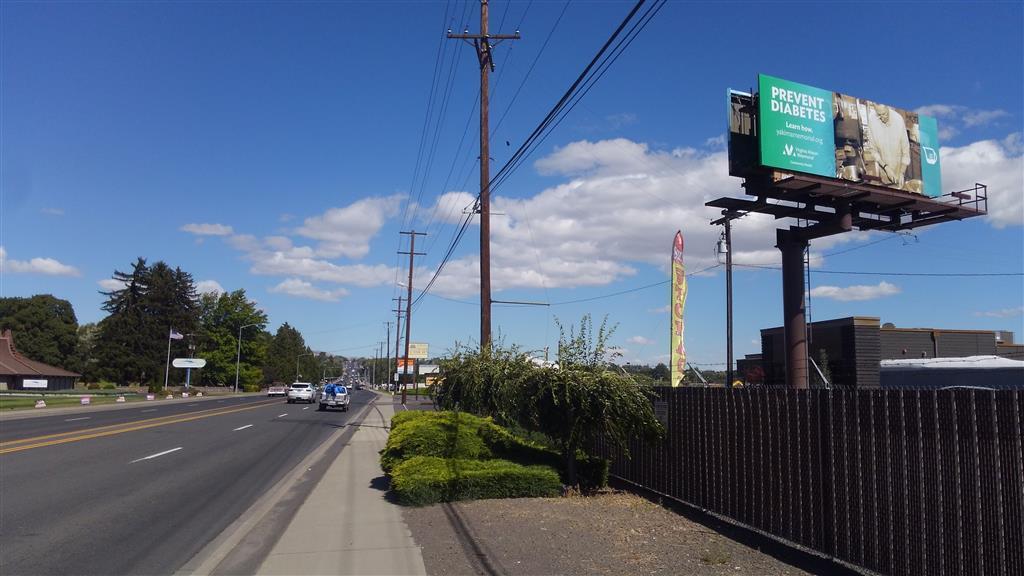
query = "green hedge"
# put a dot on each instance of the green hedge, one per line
(424, 480)
(433, 434)
(429, 433)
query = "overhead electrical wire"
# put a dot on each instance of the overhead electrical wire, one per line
(591, 73)
(872, 273)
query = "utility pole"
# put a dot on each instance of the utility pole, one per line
(398, 335)
(408, 297)
(483, 43)
(726, 220)
(387, 350)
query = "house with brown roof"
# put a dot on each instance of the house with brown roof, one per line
(20, 373)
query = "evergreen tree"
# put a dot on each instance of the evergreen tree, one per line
(45, 328)
(287, 350)
(131, 345)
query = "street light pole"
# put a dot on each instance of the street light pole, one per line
(238, 357)
(297, 363)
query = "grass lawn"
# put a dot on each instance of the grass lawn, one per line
(22, 402)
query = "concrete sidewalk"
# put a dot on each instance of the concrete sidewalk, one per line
(346, 525)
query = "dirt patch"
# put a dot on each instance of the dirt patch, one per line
(612, 533)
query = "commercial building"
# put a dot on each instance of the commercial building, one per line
(849, 351)
(20, 373)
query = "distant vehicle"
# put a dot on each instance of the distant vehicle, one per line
(277, 390)
(337, 397)
(301, 391)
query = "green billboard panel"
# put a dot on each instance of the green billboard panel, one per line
(806, 129)
(796, 127)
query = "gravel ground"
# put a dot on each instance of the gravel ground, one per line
(611, 533)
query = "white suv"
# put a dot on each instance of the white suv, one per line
(303, 391)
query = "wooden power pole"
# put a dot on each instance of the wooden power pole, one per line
(483, 42)
(408, 299)
(398, 335)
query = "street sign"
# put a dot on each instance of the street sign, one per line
(188, 363)
(418, 350)
(26, 383)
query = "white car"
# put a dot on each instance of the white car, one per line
(340, 399)
(301, 391)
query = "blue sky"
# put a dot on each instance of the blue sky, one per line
(272, 147)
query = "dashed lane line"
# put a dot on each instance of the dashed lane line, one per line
(242, 427)
(157, 455)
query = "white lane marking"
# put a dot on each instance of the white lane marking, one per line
(150, 410)
(157, 455)
(220, 401)
(242, 427)
(82, 418)
(280, 415)
(306, 408)
(196, 404)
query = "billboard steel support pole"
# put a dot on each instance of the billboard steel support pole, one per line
(728, 303)
(792, 246)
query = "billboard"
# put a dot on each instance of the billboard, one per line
(418, 350)
(677, 302)
(806, 129)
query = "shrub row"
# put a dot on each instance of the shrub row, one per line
(465, 436)
(423, 480)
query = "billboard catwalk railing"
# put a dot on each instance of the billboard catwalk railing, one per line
(901, 482)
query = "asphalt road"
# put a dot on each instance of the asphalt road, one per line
(141, 490)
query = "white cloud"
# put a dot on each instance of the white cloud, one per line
(997, 164)
(639, 340)
(660, 310)
(111, 284)
(347, 231)
(43, 266)
(855, 293)
(955, 118)
(1003, 313)
(52, 211)
(207, 229)
(303, 289)
(209, 287)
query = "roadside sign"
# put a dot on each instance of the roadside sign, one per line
(418, 350)
(85, 400)
(188, 363)
(33, 383)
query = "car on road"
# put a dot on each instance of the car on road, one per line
(301, 392)
(339, 399)
(277, 390)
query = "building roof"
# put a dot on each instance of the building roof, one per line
(12, 363)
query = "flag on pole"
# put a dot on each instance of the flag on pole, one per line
(677, 304)
(175, 336)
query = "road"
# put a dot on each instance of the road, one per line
(141, 490)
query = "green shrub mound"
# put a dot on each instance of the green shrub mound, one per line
(424, 480)
(438, 434)
(420, 433)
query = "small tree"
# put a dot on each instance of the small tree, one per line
(584, 399)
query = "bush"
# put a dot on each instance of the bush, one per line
(442, 434)
(419, 433)
(93, 386)
(108, 386)
(155, 389)
(424, 480)
(251, 388)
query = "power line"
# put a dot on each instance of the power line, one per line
(600, 64)
(871, 273)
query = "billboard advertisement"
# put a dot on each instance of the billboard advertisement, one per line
(677, 303)
(815, 131)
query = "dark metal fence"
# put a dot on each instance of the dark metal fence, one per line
(897, 481)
